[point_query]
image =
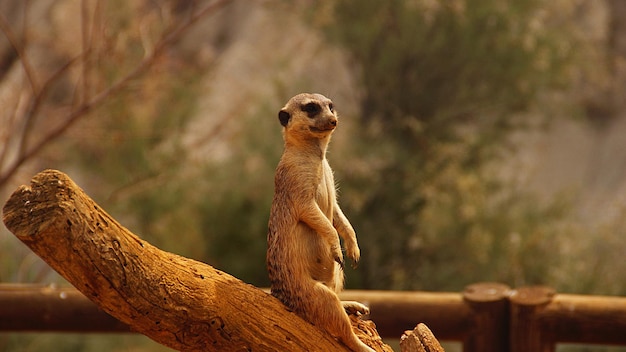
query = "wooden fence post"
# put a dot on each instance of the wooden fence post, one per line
(527, 333)
(489, 302)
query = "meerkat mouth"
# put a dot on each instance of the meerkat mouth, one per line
(327, 129)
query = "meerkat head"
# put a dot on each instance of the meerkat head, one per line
(308, 116)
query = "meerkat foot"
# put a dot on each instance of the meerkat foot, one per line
(355, 308)
(358, 345)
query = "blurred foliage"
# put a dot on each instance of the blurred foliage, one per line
(135, 156)
(444, 86)
(239, 193)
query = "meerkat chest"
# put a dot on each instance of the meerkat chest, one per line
(325, 195)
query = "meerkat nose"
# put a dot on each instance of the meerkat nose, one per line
(333, 122)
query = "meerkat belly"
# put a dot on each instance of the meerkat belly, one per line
(325, 196)
(316, 252)
(322, 264)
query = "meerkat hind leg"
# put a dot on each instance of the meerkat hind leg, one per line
(330, 315)
(354, 307)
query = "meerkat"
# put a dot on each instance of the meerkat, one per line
(304, 257)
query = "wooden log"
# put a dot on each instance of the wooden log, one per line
(176, 301)
(366, 331)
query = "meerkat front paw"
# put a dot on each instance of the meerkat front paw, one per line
(353, 252)
(337, 255)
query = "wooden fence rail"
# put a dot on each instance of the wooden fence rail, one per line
(484, 317)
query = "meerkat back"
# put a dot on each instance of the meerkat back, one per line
(304, 258)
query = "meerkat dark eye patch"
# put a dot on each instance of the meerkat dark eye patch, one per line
(331, 107)
(311, 109)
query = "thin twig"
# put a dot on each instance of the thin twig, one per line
(8, 136)
(86, 43)
(100, 98)
(28, 68)
(38, 100)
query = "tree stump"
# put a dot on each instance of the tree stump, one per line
(178, 302)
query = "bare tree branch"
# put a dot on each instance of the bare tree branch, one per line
(7, 135)
(168, 39)
(37, 101)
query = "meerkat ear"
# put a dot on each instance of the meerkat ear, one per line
(284, 117)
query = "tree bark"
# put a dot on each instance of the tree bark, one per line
(176, 301)
(421, 339)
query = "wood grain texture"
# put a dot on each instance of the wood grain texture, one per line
(176, 301)
(421, 339)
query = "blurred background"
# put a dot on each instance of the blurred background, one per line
(479, 140)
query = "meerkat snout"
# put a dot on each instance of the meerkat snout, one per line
(327, 124)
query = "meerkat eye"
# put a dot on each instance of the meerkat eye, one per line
(331, 107)
(311, 109)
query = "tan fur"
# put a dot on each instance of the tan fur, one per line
(304, 256)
